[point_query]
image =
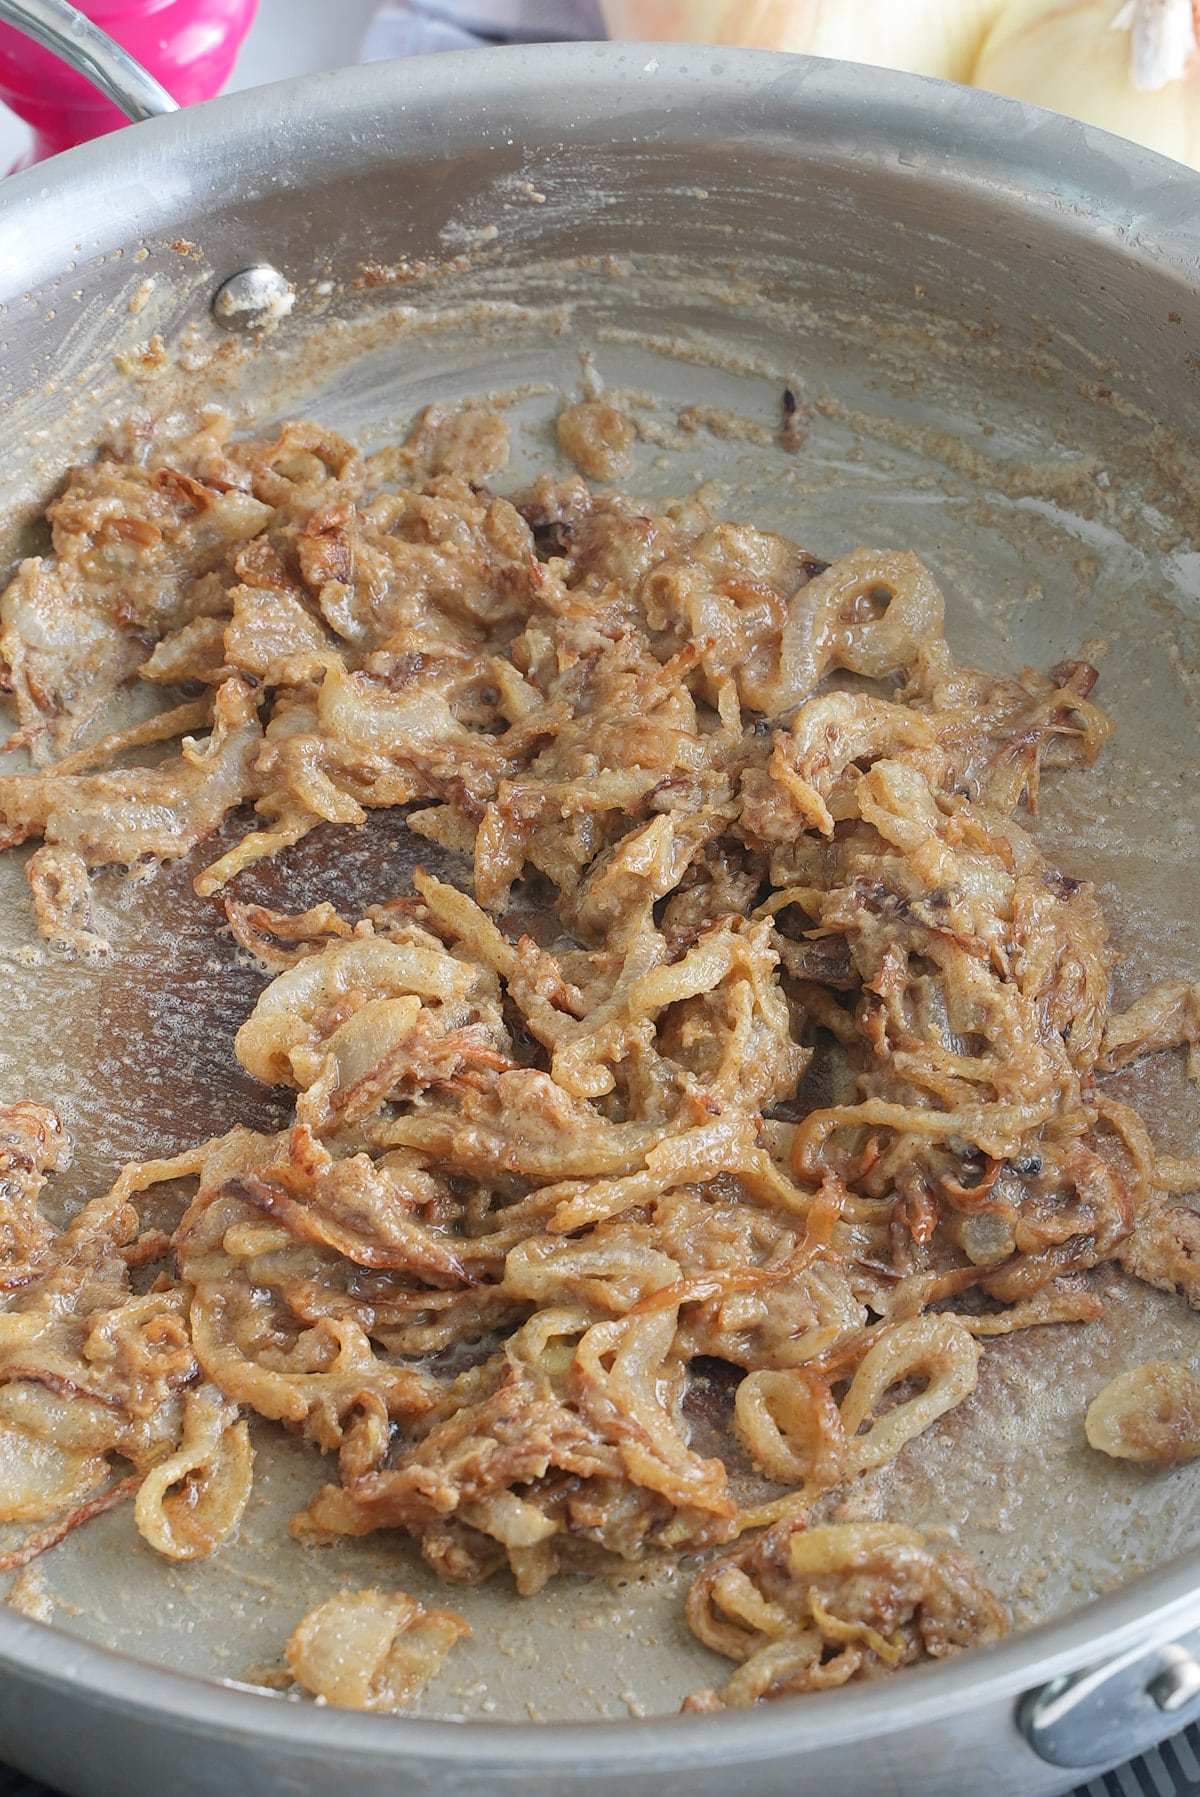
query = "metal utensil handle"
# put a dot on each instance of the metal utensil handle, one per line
(66, 33)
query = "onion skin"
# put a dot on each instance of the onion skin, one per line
(1088, 59)
(929, 37)
(1070, 59)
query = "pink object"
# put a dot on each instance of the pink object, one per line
(189, 45)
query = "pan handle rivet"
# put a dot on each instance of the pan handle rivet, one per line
(254, 299)
(1178, 1685)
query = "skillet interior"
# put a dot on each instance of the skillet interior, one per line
(993, 384)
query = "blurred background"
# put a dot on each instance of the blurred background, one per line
(1130, 66)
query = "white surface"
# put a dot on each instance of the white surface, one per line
(288, 37)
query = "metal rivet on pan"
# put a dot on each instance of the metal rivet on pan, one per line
(254, 299)
(1178, 1685)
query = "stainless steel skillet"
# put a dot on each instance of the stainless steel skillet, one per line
(992, 315)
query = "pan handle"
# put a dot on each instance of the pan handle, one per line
(1116, 1709)
(66, 33)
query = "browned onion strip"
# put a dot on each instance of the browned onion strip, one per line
(43, 1539)
(802, 1080)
